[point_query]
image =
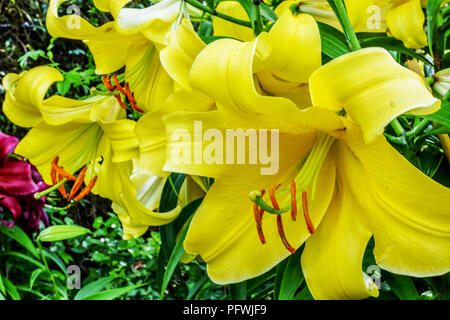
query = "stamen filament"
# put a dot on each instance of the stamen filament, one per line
(283, 235)
(308, 221)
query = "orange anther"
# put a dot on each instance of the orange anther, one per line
(118, 86)
(283, 235)
(61, 188)
(77, 184)
(86, 189)
(61, 171)
(258, 219)
(308, 221)
(293, 201)
(107, 83)
(272, 196)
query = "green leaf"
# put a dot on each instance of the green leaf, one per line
(268, 13)
(333, 41)
(63, 232)
(292, 278)
(442, 116)
(253, 12)
(24, 257)
(402, 286)
(432, 11)
(238, 291)
(393, 44)
(175, 257)
(2, 285)
(196, 287)
(279, 277)
(169, 200)
(112, 293)
(34, 275)
(93, 288)
(11, 289)
(304, 294)
(21, 237)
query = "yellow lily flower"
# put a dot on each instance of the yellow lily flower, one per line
(177, 58)
(339, 171)
(93, 133)
(403, 19)
(133, 40)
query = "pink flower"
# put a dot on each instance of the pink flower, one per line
(19, 181)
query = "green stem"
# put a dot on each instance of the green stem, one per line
(41, 250)
(341, 12)
(397, 140)
(419, 128)
(397, 127)
(202, 7)
(258, 24)
(47, 191)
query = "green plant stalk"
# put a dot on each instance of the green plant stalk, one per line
(397, 127)
(41, 250)
(341, 12)
(258, 23)
(202, 7)
(418, 129)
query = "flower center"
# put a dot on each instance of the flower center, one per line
(119, 92)
(306, 179)
(59, 177)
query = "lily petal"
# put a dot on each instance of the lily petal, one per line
(148, 80)
(407, 212)
(25, 93)
(225, 28)
(333, 255)
(16, 178)
(233, 251)
(224, 71)
(405, 21)
(76, 144)
(372, 88)
(123, 140)
(7, 145)
(177, 58)
(108, 46)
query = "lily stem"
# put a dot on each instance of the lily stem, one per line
(341, 12)
(204, 8)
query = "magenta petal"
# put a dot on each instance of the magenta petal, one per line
(7, 145)
(12, 204)
(16, 178)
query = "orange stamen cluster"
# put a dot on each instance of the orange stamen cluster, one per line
(58, 173)
(258, 213)
(126, 91)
